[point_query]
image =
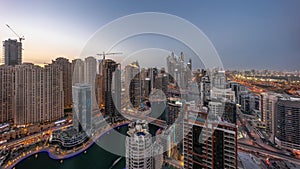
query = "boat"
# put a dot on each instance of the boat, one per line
(115, 162)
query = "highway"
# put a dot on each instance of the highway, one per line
(269, 153)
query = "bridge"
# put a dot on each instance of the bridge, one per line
(151, 120)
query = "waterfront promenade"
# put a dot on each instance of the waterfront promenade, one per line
(52, 151)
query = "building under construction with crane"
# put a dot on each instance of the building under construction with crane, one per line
(12, 50)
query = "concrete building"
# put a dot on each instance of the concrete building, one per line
(158, 158)
(90, 71)
(77, 71)
(66, 68)
(133, 84)
(205, 89)
(218, 79)
(139, 148)
(12, 52)
(208, 144)
(110, 86)
(82, 108)
(287, 123)
(7, 76)
(268, 112)
(38, 94)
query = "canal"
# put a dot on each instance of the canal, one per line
(94, 158)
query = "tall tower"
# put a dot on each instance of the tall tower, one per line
(139, 149)
(12, 52)
(82, 114)
(77, 71)
(110, 87)
(208, 144)
(90, 71)
(268, 112)
(133, 83)
(288, 123)
(7, 76)
(38, 94)
(66, 68)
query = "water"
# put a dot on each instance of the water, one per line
(95, 158)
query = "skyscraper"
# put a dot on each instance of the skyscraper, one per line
(38, 94)
(208, 144)
(12, 52)
(82, 107)
(218, 79)
(288, 123)
(139, 149)
(110, 87)
(90, 71)
(7, 76)
(77, 71)
(133, 83)
(268, 112)
(66, 68)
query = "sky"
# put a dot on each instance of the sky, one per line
(246, 34)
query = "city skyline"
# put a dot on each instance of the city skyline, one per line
(149, 85)
(259, 35)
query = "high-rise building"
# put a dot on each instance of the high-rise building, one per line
(90, 71)
(230, 112)
(66, 68)
(77, 71)
(139, 148)
(287, 123)
(189, 70)
(208, 144)
(116, 88)
(110, 87)
(82, 108)
(174, 106)
(162, 83)
(158, 158)
(7, 76)
(12, 52)
(268, 110)
(38, 94)
(205, 88)
(218, 79)
(133, 83)
(178, 71)
(171, 62)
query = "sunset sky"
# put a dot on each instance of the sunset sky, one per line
(253, 34)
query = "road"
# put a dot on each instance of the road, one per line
(269, 153)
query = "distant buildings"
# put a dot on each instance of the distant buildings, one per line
(177, 69)
(82, 107)
(288, 123)
(205, 90)
(12, 52)
(133, 84)
(139, 148)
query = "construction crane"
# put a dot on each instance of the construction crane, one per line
(20, 38)
(104, 54)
